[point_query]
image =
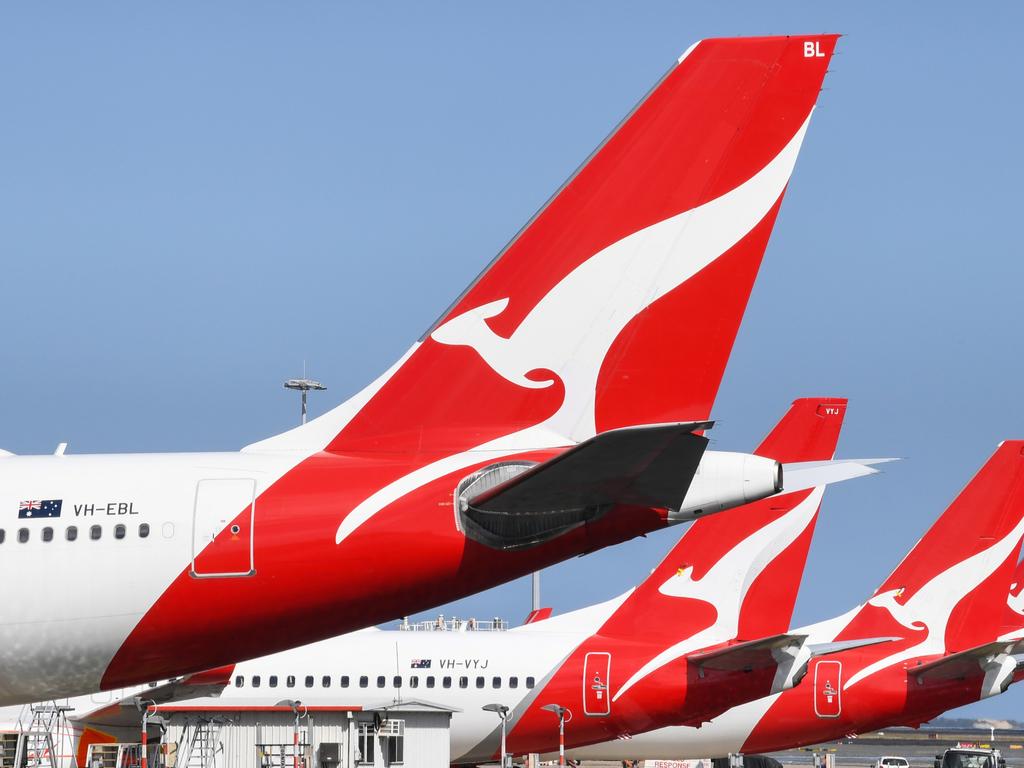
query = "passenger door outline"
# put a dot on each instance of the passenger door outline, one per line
(597, 668)
(828, 688)
(222, 535)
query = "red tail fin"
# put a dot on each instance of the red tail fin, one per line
(741, 570)
(954, 581)
(619, 302)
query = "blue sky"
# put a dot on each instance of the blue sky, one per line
(198, 197)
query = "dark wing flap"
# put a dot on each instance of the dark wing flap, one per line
(753, 654)
(648, 466)
(964, 663)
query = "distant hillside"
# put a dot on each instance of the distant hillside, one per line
(968, 722)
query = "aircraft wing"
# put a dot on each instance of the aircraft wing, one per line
(125, 713)
(752, 654)
(973, 661)
(645, 466)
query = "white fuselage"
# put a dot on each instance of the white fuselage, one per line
(68, 605)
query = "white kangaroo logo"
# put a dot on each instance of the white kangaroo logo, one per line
(726, 584)
(571, 329)
(931, 606)
(904, 614)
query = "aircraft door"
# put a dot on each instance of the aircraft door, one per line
(222, 528)
(596, 694)
(828, 688)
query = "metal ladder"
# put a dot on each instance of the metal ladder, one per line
(38, 746)
(200, 745)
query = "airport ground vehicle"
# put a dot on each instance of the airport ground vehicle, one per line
(557, 407)
(970, 756)
(892, 761)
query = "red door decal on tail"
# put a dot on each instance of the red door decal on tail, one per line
(828, 684)
(596, 697)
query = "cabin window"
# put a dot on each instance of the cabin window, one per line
(239, 681)
(309, 681)
(496, 682)
(255, 681)
(325, 681)
(344, 681)
(430, 681)
(463, 682)
(414, 681)
(446, 682)
(119, 531)
(272, 682)
(364, 681)
(480, 682)
(95, 532)
(380, 681)
(143, 530)
(23, 535)
(513, 682)
(47, 534)
(3, 535)
(397, 682)
(290, 681)
(530, 682)
(71, 533)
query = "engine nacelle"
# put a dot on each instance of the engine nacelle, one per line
(725, 480)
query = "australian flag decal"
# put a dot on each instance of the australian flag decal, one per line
(43, 508)
(420, 664)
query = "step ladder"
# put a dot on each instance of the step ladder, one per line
(46, 729)
(199, 745)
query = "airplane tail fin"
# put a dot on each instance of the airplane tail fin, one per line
(955, 580)
(619, 301)
(744, 567)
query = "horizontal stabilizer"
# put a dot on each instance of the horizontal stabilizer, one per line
(125, 712)
(754, 654)
(973, 661)
(825, 649)
(801, 475)
(646, 466)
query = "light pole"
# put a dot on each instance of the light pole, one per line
(502, 712)
(561, 711)
(300, 711)
(304, 385)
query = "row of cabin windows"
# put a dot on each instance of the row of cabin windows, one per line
(71, 533)
(429, 681)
